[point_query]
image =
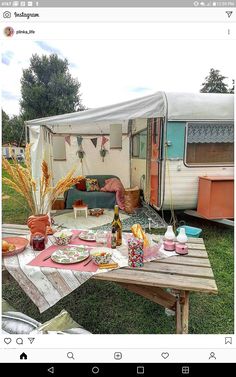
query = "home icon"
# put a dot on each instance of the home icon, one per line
(23, 356)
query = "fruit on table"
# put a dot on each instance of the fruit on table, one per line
(11, 247)
(7, 246)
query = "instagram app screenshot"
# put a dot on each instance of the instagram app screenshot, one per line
(117, 186)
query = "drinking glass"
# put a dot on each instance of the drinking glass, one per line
(38, 243)
(101, 238)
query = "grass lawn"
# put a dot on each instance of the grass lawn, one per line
(12, 209)
(104, 307)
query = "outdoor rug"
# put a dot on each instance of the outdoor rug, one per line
(67, 219)
(140, 216)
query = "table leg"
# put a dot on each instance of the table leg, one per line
(182, 312)
(178, 318)
(185, 313)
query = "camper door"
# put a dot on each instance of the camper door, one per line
(153, 160)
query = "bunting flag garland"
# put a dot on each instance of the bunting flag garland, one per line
(94, 141)
(79, 140)
(67, 139)
(104, 140)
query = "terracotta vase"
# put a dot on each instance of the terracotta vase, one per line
(38, 225)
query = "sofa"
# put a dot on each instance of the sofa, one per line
(94, 199)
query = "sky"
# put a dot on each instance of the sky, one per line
(116, 71)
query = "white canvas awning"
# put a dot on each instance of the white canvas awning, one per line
(173, 106)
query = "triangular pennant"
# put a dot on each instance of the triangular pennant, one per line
(104, 140)
(67, 139)
(79, 140)
(94, 141)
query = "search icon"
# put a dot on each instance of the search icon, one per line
(19, 341)
(70, 355)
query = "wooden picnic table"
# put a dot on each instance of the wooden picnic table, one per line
(167, 282)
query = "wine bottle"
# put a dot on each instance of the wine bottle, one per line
(113, 238)
(116, 223)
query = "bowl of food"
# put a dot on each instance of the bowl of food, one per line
(13, 245)
(63, 237)
(101, 255)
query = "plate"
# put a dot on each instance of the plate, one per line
(70, 254)
(87, 236)
(19, 242)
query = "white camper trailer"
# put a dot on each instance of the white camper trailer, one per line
(162, 143)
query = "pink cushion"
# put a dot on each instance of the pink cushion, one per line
(115, 185)
(112, 185)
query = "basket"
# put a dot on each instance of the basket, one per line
(132, 199)
(191, 231)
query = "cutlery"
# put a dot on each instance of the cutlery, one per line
(47, 258)
(85, 264)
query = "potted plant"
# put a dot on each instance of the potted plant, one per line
(39, 195)
(80, 154)
(103, 152)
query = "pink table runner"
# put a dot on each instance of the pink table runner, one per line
(39, 260)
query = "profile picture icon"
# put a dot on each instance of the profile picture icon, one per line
(8, 31)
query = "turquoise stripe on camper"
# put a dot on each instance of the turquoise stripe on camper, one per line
(175, 139)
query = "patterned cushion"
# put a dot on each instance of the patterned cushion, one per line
(92, 184)
(62, 323)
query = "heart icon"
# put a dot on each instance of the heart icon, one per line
(7, 340)
(165, 355)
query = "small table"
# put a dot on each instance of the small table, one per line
(81, 209)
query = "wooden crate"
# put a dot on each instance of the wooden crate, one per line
(58, 204)
(216, 197)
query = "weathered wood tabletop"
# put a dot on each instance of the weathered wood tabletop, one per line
(167, 282)
(181, 274)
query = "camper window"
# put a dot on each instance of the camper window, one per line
(139, 145)
(209, 143)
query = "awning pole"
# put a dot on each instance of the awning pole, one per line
(26, 134)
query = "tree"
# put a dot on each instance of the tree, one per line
(47, 88)
(231, 90)
(214, 83)
(12, 129)
(5, 127)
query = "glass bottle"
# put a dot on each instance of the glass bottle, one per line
(182, 238)
(113, 238)
(116, 223)
(169, 234)
(148, 231)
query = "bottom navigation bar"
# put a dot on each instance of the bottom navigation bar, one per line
(132, 369)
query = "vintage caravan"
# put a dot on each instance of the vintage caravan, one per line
(195, 137)
(161, 143)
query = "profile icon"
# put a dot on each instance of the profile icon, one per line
(9, 31)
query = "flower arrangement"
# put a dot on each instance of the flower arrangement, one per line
(40, 196)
